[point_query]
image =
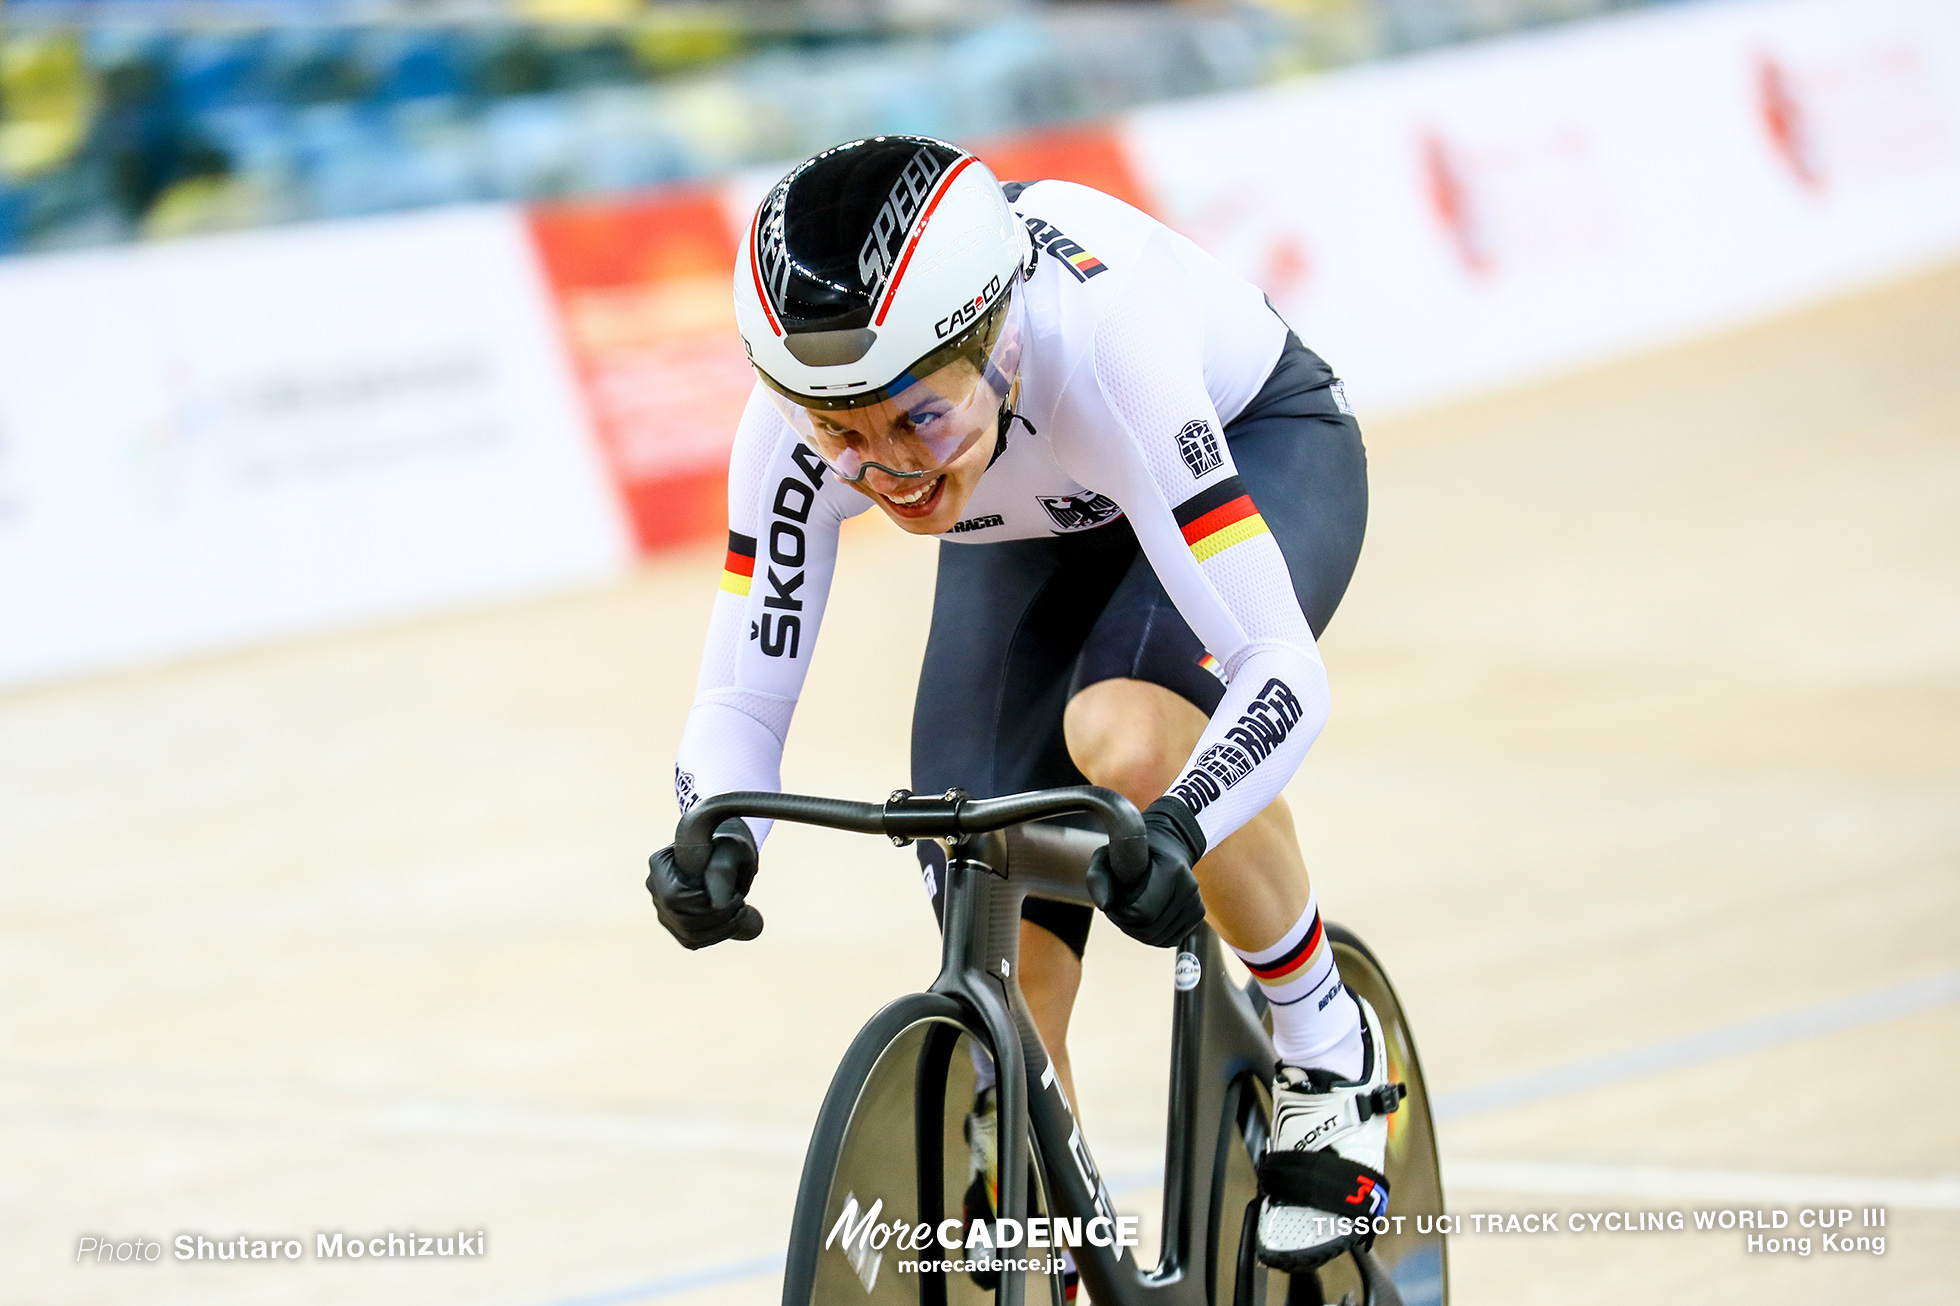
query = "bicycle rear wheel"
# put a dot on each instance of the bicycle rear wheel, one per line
(890, 1147)
(1417, 1262)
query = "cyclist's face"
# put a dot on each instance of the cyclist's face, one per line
(889, 435)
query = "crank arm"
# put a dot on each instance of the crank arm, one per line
(1378, 1289)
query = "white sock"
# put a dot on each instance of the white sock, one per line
(1315, 1025)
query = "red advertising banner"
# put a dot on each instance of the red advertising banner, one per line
(642, 291)
(1089, 154)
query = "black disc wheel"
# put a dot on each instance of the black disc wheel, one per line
(1414, 1258)
(902, 1140)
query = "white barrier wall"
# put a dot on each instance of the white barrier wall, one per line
(1484, 215)
(217, 440)
(223, 439)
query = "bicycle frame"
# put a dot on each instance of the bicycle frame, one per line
(1219, 1048)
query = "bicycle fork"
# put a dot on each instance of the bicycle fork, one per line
(982, 944)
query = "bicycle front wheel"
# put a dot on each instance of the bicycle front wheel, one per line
(893, 1149)
(1417, 1260)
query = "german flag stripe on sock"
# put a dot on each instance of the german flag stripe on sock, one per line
(739, 571)
(1214, 520)
(1288, 965)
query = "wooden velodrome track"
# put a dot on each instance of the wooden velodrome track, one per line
(1647, 725)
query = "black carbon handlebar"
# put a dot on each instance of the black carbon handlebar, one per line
(907, 816)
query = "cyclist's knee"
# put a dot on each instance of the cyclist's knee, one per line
(1133, 769)
(1131, 736)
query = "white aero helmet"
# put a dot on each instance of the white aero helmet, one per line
(866, 276)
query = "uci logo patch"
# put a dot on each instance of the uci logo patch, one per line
(1187, 972)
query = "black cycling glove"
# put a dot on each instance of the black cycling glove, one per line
(1163, 905)
(707, 910)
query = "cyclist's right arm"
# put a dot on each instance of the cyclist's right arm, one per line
(784, 512)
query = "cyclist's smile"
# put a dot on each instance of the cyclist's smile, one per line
(913, 502)
(930, 505)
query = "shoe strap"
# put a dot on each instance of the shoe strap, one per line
(1339, 1110)
(1324, 1180)
(1384, 1100)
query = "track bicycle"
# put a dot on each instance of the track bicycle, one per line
(888, 1154)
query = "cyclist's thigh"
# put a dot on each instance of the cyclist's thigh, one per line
(1141, 636)
(1300, 458)
(1008, 621)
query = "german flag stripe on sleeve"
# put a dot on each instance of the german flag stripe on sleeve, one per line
(1214, 520)
(739, 570)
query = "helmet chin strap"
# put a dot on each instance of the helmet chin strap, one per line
(1007, 419)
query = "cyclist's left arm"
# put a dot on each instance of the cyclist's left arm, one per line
(1138, 386)
(784, 512)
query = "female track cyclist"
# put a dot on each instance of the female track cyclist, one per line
(1149, 497)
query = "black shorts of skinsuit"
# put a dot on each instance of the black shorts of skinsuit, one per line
(1020, 627)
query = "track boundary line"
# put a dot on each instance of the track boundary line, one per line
(1739, 1039)
(668, 1285)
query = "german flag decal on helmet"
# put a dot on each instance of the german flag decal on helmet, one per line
(1214, 520)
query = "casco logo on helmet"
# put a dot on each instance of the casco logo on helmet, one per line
(966, 312)
(908, 195)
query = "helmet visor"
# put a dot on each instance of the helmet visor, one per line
(932, 413)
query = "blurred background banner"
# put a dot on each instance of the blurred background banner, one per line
(642, 292)
(481, 341)
(1473, 218)
(214, 441)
